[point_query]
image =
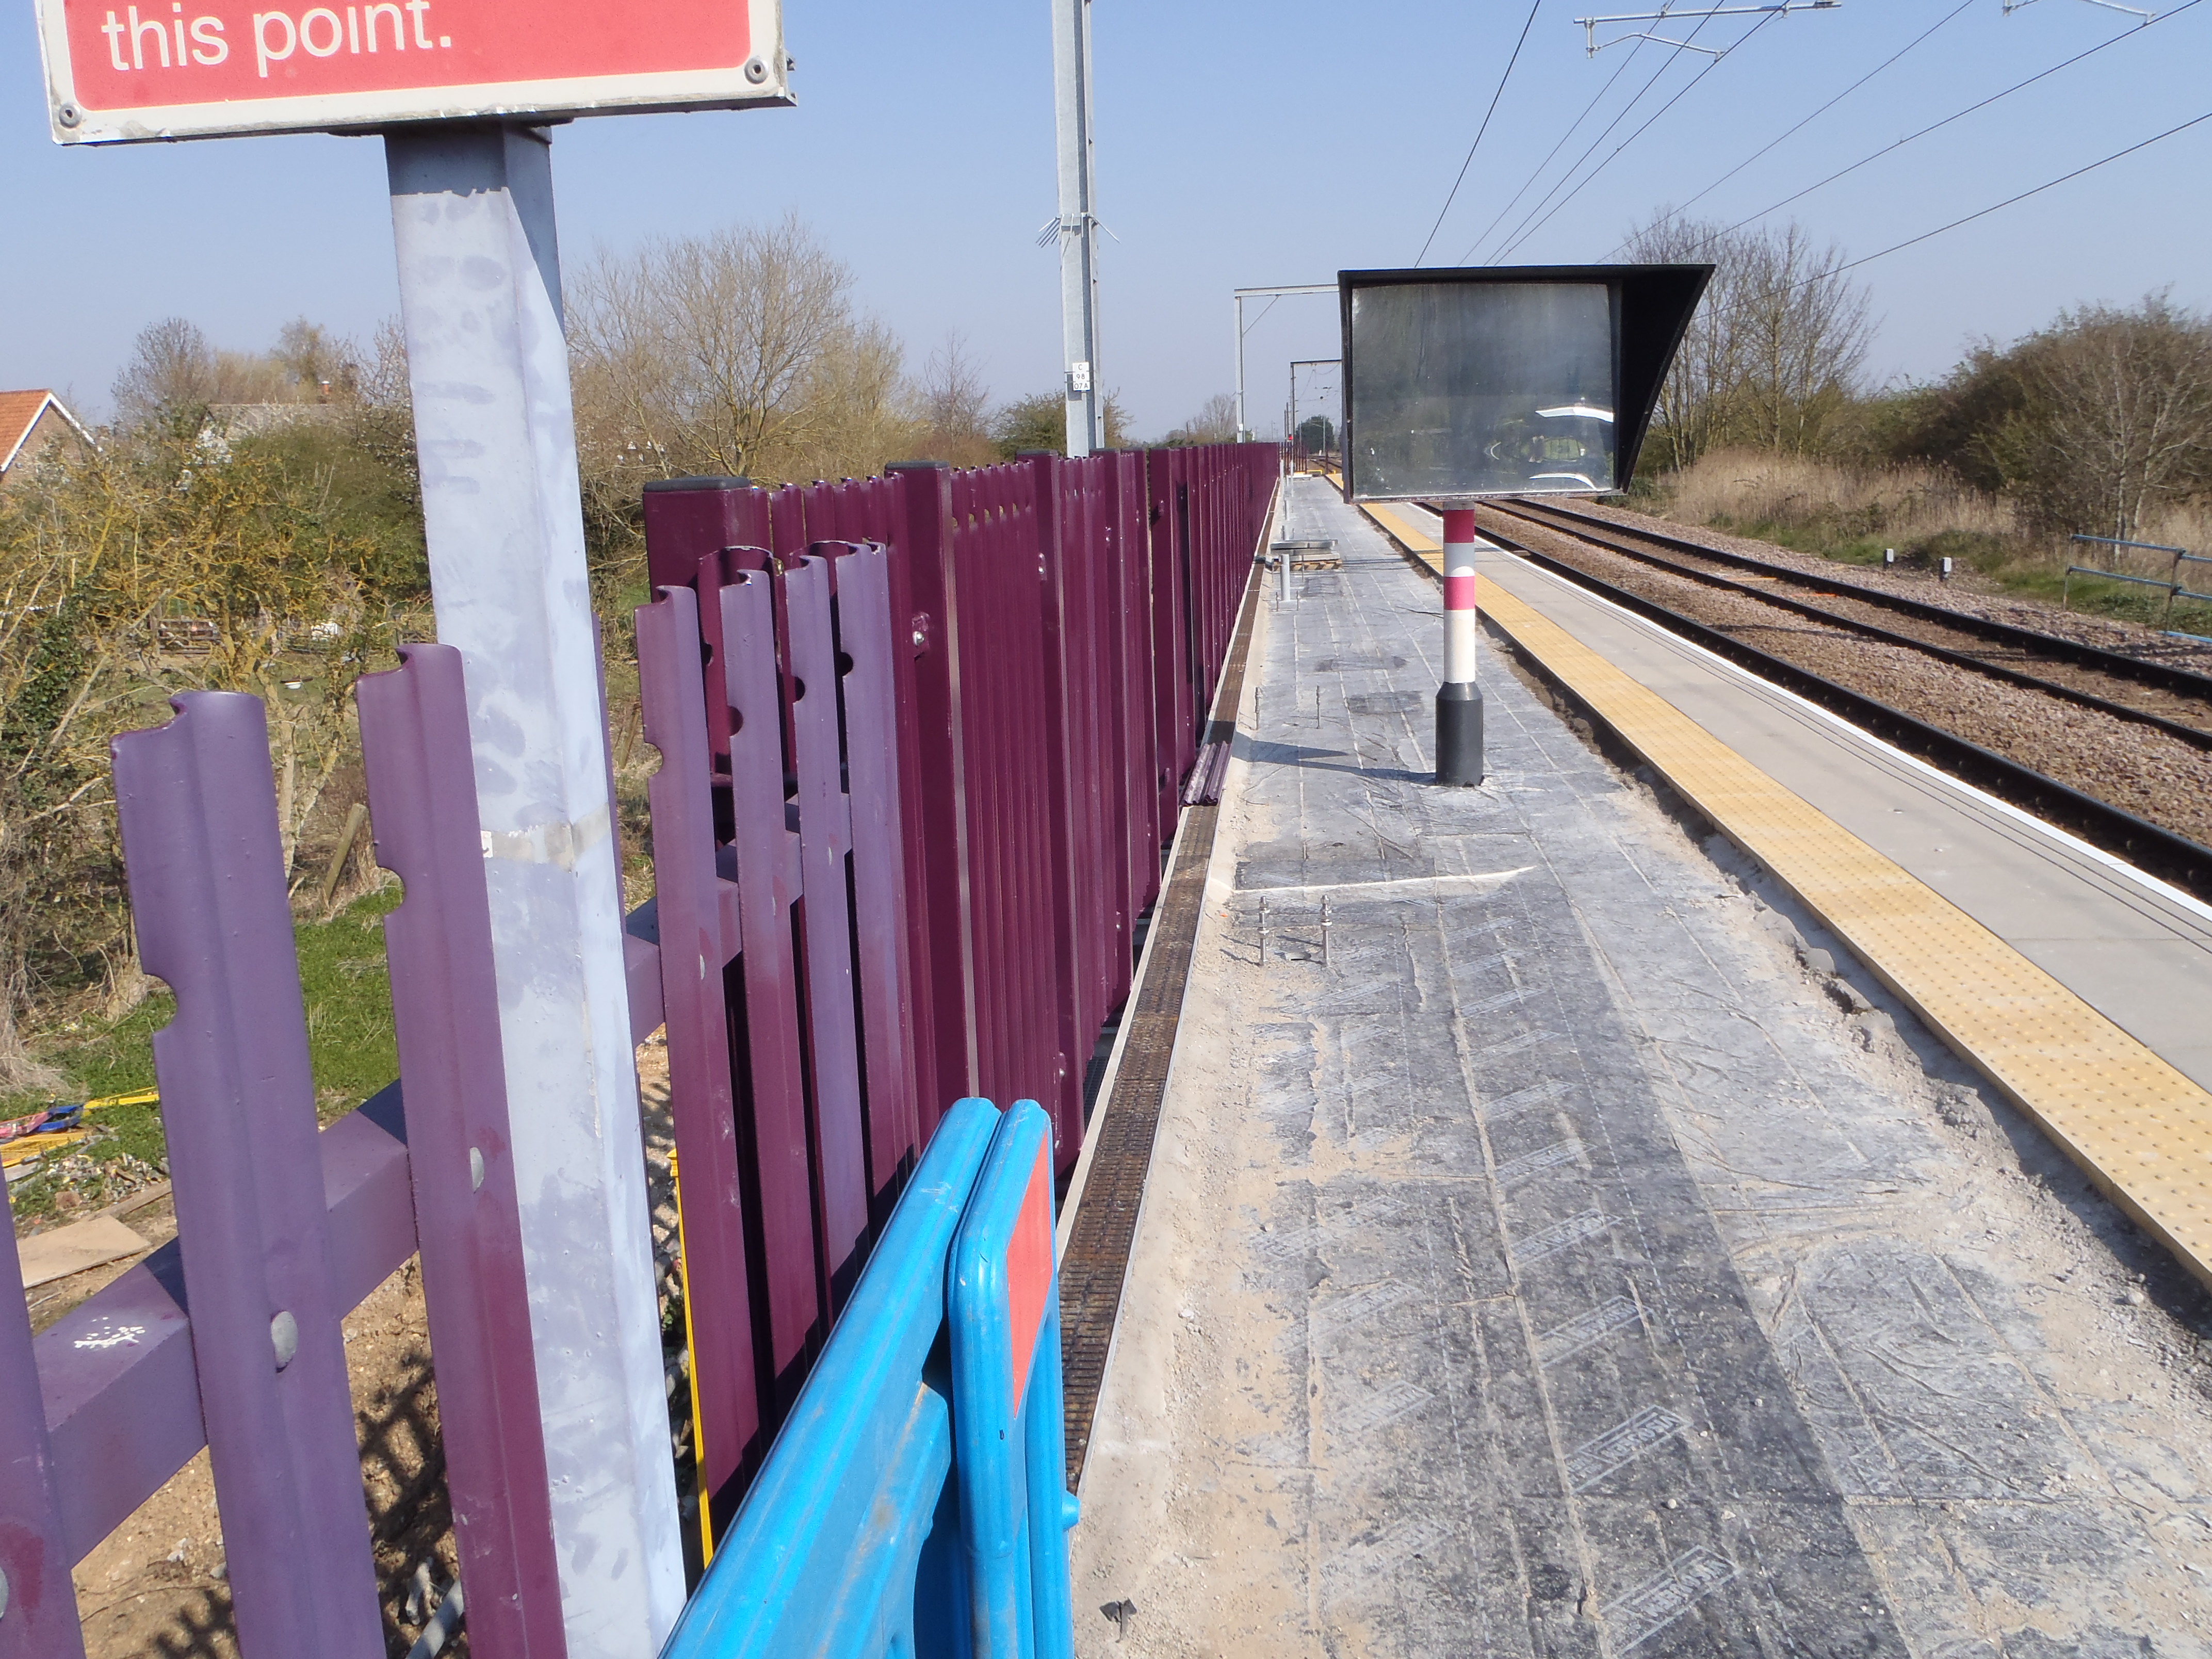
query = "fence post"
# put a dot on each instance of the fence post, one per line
(197, 810)
(699, 933)
(932, 785)
(1050, 472)
(825, 932)
(891, 1026)
(780, 1189)
(38, 1598)
(445, 1002)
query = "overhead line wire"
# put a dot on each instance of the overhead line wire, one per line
(2009, 201)
(1915, 41)
(1479, 131)
(2186, 5)
(1626, 109)
(1537, 171)
(1523, 235)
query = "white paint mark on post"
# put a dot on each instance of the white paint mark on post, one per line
(1460, 542)
(480, 287)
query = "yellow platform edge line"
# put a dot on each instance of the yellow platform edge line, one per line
(2139, 1128)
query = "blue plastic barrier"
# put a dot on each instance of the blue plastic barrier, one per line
(893, 1516)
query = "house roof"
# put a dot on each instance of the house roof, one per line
(20, 412)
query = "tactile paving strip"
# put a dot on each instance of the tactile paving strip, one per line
(2140, 1129)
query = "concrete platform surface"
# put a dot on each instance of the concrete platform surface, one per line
(1538, 1259)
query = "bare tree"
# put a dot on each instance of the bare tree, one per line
(737, 353)
(171, 366)
(1806, 329)
(955, 404)
(1215, 423)
(1778, 343)
(2118, 421)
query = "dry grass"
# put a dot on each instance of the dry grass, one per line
(1909, 503)
(1853, 512)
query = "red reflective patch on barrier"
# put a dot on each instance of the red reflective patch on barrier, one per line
(1029, 1269)
(1459, 592)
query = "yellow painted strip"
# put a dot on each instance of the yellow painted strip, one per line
(2140, 1130)
(1419, 542)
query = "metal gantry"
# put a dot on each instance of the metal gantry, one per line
(1590, 25)
(2012, 6)
(1244, 426)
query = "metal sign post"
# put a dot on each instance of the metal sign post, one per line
(480, 298)
(459, 88)
(1079, 223)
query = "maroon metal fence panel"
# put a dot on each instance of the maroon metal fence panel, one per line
(868, 707)
(696, 922)
(445, 997)
(922, 774)
(197, 810)
(836, 1115)
(933, 787)
(772, 1124)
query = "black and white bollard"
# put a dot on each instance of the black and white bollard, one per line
(1459, 700)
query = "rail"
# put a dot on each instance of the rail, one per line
(2198, 737)
(2161, 676)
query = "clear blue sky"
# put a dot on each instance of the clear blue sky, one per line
(1239, 145)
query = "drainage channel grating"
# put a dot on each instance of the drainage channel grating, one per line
(1096, 1263)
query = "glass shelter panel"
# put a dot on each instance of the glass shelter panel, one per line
(1462, 389)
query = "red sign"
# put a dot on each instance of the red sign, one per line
(174, 69)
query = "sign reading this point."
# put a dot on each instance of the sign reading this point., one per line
(185, 68)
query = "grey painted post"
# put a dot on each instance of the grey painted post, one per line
(1079, 224)
(480, 296)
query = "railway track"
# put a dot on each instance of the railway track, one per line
(2167, 710)
(2172, 700)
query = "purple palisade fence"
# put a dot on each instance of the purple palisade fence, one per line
(868, 703)
(836, 1116)
(38, 1601)
(198, 815)
(773, 1117)
(699, 932)
(1015, 666)
(445, 1009)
